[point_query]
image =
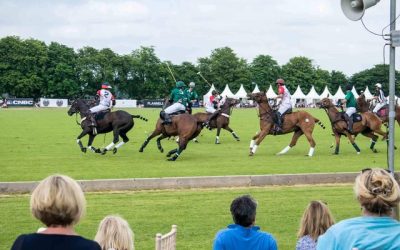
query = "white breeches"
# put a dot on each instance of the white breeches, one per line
(284, 107)
(175, 108)
(378, 106)
(98, 108)
(350, 111)
(210, 109)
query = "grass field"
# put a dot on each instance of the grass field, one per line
(199, 213)
(38, 142)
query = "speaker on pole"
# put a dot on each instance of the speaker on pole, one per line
(354, 9)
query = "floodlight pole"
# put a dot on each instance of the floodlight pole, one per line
(391, 93)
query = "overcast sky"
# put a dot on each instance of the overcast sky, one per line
(184, 30)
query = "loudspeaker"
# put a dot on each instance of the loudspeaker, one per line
(354, 9)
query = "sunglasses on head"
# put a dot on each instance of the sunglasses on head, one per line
(369, 169)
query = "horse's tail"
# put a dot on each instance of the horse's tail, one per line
(319, 123)
(140, 117)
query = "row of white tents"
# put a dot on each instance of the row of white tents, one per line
(298, 96)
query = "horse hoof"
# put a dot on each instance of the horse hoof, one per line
(237, 139)
(104, 151)
(141, 150)
(171, 159)
(161, 150)
(358, 153)
(97, 151)
(115, 151)
(251, 154)
(84, 150)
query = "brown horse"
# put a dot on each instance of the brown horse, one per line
(365, 106)
(120, 122)
(368, 126)
(222, 120)
(299, 122)
(185, 126)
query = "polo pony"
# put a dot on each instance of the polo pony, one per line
(120, 122)
(299, 123)
(367, 125)
(222, 120)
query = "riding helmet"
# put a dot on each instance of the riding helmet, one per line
(180, 84)
(378, 85)
(106, 85)
(280, 81)
(192, 84)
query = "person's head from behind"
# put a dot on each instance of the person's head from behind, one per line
(243, 210)
(349, 87)
(377, 191)
(58, 201)
(316, 220)
(114, 233)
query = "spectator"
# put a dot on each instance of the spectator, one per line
(377, 192)
(244, 235)
(59, 203)
(315, 221)
(114, 233)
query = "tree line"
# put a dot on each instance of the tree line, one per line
(31, 68)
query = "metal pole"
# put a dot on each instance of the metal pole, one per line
(391, 95)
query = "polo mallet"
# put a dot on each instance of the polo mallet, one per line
(199, 73)
(170, 71)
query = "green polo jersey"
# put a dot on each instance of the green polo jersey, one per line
(179, 95)
(192, 95)
(350, 100)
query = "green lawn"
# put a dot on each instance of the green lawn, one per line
(199, 213)
(39, 142)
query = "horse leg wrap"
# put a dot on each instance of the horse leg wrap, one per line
(311, 152)
(284, 151)
(356, 148)
(92, 149)
(110, 146)
(254, 149)
(119, 144)
(372, 144)
(252, 143)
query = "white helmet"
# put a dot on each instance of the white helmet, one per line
(378, 85)
(192, 84)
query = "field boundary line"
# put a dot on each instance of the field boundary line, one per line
(194, 182)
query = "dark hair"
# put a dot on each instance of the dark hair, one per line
(349, 87)
(243, 210)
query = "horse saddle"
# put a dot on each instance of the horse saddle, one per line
(100, 115)
(177, 113)
(356, 117)
(384, 111)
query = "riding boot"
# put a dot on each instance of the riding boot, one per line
(212, 116)
(278, 122)
(165, 117)
(349, 121)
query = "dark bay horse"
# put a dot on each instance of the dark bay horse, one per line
(368, 126)
(120, 122)
(383, 114)
(185, 126)
(222, 121)
(299, 123)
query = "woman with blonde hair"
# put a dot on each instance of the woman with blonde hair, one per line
(59, 203)
(114, 233)
(316, 219)
(378, 193)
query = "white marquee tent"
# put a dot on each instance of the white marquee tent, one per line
(326, 93)
(367, 94)
(241, 93)
(227, 92)
(354, 92)
(271, 93)
(297, 95)
(256, 89)
(207, 96)
(339, 94)
(312, 97)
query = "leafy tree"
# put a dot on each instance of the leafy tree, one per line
(338, 78)
(224, 67)
(61, 78)
(298, 71)
(89, 71)
(322, 78)
(264, 71)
